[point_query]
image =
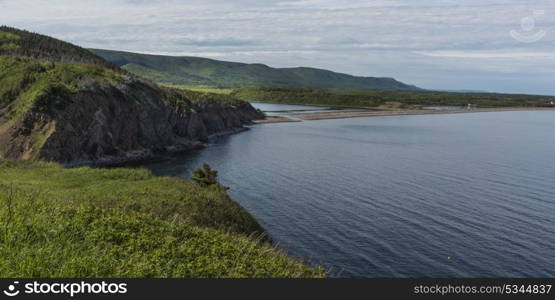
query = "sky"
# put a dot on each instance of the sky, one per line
(498, 46)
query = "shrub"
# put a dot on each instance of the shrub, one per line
(205, 176)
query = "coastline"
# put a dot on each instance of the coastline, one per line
(275, 119)
(361, 114)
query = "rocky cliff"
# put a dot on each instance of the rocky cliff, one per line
(90, 112)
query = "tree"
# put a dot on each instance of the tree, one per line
(205, 176)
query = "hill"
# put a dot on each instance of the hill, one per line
(196, 71)
(59, 102)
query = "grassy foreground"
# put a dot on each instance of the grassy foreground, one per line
(85, 222)
(26, 82)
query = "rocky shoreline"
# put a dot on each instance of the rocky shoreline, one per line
(115, 124)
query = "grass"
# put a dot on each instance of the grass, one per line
(200, 94)
(85, 222)
(34, 93)
(27, 83)
(202, 89)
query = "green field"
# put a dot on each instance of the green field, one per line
(85, 222)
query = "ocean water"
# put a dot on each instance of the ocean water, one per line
(454, 195)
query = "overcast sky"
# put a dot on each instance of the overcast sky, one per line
(505, 46)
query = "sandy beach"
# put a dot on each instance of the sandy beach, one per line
(360, 114)
(276, 120)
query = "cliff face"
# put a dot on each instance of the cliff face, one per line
(107, 124)
(61, 103)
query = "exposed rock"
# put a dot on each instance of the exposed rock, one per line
(111, 124)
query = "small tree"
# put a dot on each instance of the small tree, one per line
(205, 176)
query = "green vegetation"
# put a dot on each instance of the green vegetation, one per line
(377, 98)
(38, 70)
(205, 176)
(196, 71)
(256, 82)
(306, 97)
(17, 42)
(45, 76)
(26, 82)
(85, 222)
(204, 89)
(181, 97)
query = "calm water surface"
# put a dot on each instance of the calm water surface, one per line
(462, 195)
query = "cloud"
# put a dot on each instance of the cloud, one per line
(435, 44)
(489, 54)
(223, 42)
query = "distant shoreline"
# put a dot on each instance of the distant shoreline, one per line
(361, 114)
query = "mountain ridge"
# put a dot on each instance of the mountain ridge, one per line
(200, 71)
